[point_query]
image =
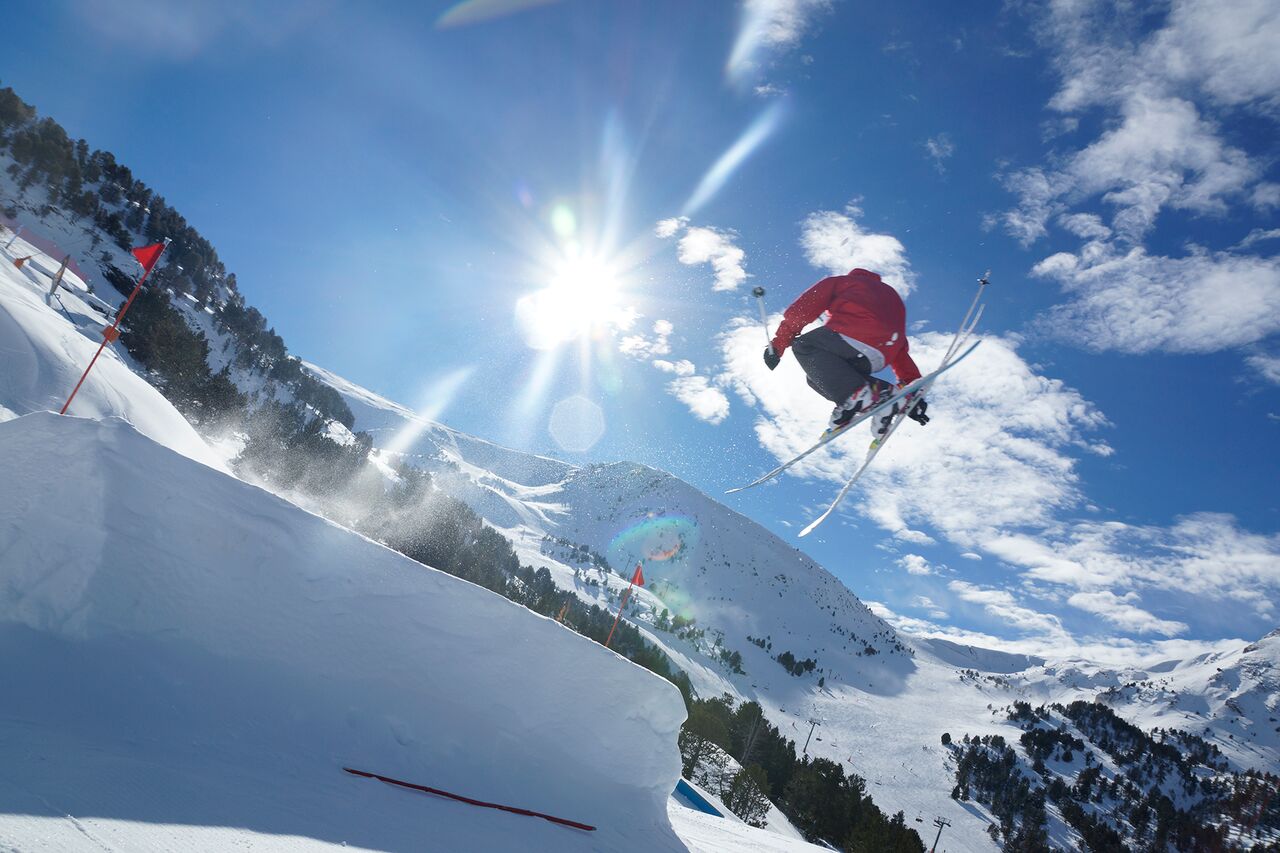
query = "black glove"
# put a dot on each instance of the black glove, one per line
(917, 412)
(771, 358)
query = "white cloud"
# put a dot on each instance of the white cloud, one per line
(1221, 51)
(915, 564)
(757, 133)
(667, 228)
(915, 537)
(1265, 196)
(683, 367)
(769, 26)
(1267, 365)
(1161, 154)
(1257, 235)
(705, 401)
(1102, 650)
(924, 602)
(1088, 226)
(940, 148)
(1227, 49)
(1135, 302)
(1002, 605)
(701, 245)
(836, 243)
(642, 346)
(1205, 556)
(1161, 91)
(707, 245)
(181, 31)
(1124, 614)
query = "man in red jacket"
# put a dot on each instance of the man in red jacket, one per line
(865, 332)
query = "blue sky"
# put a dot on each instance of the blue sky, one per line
(390, 181)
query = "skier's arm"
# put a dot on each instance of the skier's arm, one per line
(904, 366)
(807, 308)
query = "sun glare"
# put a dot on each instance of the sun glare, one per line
(580, 299)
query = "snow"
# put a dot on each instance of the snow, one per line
(48, 343)
(882, 715)
(210, 641)
(704, 833)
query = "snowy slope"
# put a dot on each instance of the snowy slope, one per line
(47, 344)
(1231, 698)
(173, 616)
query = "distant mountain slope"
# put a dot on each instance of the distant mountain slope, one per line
(1233, 698)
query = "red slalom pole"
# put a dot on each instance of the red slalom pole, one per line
(637, 577)
(113, 331)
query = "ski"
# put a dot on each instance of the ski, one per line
(961, 338)
(910, 388)
(876, 444)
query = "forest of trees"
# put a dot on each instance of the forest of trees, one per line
(814, 793)
(1163, 790)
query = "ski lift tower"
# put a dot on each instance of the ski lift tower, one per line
(938, 822)
(813, 723)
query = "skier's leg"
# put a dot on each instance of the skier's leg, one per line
(835, 369)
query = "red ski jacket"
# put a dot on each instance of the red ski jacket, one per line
(859, 306)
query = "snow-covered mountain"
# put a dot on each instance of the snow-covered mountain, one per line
(883, 699)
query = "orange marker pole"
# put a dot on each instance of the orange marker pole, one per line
(113, 331)
(636, 578)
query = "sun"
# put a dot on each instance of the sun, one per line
(582, 298)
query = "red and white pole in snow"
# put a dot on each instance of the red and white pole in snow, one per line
(637, 579)
(148, 256)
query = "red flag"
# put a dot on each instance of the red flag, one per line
(148, 255)
(638, 577)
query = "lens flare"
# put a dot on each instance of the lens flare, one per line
(563, 221)
(754, 136)
(478, 11)
(655, 538)
(576, 423)
(435, 398)
(674, 599)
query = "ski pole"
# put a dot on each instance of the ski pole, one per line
(758, 293)
(956, 341)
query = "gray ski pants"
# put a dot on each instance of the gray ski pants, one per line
(834, 368)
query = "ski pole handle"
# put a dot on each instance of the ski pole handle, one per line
(758, 293)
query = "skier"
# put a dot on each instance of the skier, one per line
(865, 331)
